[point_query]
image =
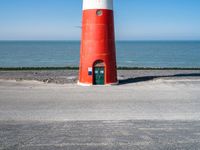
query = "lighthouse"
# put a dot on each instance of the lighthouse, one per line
(98, 53)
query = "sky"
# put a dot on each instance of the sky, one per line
(134, 19)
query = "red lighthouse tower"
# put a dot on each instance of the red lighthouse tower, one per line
(98, 55)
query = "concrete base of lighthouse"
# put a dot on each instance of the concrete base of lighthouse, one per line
(89, 84)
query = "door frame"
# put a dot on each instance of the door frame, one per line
(100, 64)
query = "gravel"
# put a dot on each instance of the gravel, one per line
(71, 76)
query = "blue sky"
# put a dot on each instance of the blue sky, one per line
(134, 19)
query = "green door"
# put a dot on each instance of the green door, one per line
(99, 76)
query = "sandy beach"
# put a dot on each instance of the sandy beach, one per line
(147, 110)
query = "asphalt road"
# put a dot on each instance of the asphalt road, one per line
(157, 114)
(100, 135)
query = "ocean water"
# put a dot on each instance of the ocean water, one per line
(129, 53)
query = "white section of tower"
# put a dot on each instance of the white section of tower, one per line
(97, 4)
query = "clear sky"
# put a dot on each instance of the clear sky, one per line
(134, 19)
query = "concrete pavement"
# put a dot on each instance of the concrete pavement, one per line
(161, 99)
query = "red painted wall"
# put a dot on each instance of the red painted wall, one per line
(98, 43)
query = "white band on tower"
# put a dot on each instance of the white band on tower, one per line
(97, 4)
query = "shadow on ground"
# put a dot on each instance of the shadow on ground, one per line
(148, 78)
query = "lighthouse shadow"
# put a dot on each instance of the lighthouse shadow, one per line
(149, 78)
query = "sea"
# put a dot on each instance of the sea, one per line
(156, 54)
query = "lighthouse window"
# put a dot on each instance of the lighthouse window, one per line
(99, 12)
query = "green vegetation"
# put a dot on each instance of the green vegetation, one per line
(76, 68)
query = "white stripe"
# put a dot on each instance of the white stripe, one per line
(98, 4)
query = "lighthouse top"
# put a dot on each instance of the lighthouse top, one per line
(97, 4)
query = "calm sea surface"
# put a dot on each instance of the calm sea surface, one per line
(130, 54)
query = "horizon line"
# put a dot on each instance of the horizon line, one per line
(80, 40)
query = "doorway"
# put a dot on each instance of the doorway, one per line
(99, 73)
